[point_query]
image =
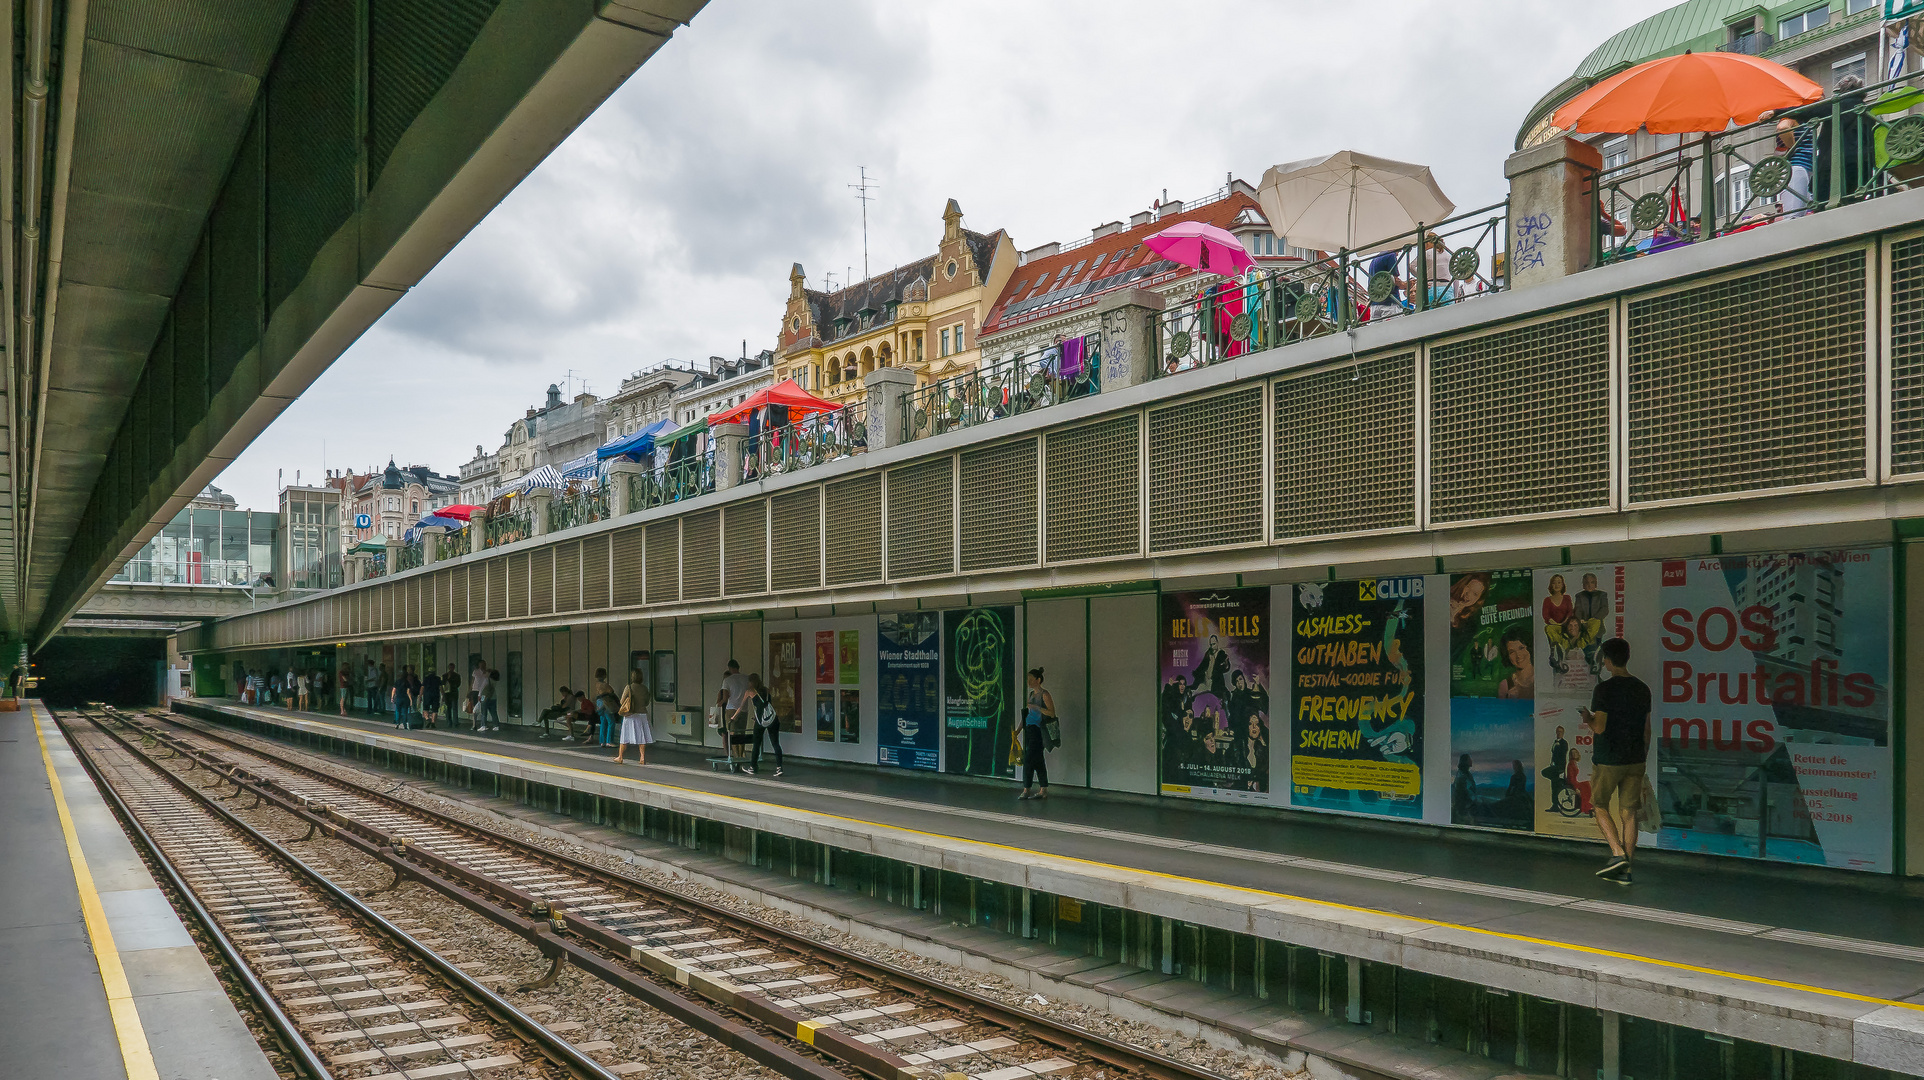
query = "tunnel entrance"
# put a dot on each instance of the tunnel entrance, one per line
(117, 670)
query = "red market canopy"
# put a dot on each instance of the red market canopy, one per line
(459, 511)
(782, 393)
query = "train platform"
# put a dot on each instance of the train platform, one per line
(106, 981)
(1829, 963)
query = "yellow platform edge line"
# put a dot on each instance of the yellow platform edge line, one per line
(1591, 950)
(134, 1051)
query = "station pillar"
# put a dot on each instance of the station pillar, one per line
(1128, 321)
(887, 388)
(620, 482)
(1553, 211)
(731, 444)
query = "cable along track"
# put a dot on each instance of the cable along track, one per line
(882, 1021)
(354, 995)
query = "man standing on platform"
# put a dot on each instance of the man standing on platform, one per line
(1619, 715)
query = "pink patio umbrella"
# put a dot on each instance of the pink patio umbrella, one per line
(1202, 246)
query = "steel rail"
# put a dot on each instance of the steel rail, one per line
(653, 985)
(1099, 1048)
(525, 1027)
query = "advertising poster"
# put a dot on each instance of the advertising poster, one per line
(1772, 714)
(1578, 608)
(664, 681)
(1492, 699)
(1356, 707)
(1214, 701)
(638, 660)
(979, 691)
(785, 680)
(908, 685)
(825, 715)
(825, 658)
(514, 685)
(850, 728)
(849, 659)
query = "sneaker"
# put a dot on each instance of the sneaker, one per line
(1616, 863)
(750, 770)
(777, 772)
(564, 738)
(1621, 877)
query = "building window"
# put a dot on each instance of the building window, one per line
(1847, 68)
(958, 337)
(1616, 152)
(1855, 6)
(1803, 22)
(945, 342)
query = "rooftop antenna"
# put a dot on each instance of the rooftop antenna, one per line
(862, 196)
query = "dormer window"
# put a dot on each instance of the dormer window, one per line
(888, 309)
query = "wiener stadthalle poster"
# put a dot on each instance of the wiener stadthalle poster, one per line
(1214, 696)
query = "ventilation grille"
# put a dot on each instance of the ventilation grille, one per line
(1520, 421)
(390, 607)
(745, 561)
(518, 586)
(594, 572)
(797, 529)
(463, 576)
(412, 48)
(664, 562)
(416, 602)
(921, 519)
(701, 556)
(1907, 356)
(628, 566)
(1750, 383)
(567, 577)
(312, 112)
(1094, 492)
(1206, 472)
(854, 512)
(541, 582)
(497, 589)
(1346, 448)
(999, 506)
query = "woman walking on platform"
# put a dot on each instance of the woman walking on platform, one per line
(635, 729)
(762, 722)
(342, 683)
(1041, 710)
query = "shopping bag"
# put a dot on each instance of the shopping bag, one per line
(1648, 817)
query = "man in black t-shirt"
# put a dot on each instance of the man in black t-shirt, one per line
(1619, 715)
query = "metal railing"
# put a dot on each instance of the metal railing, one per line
(1431, 266)
(219, 573)
(1003, 389)
(584, 507)
(411, 556)
(509, 527)
(684, 479)
(1846, 148)
(377, 565)
(805, 443)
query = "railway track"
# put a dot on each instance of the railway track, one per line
(349, 993)
(800, 1007)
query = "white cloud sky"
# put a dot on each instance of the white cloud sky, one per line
(665, 225)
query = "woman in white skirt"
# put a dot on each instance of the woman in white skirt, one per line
(635, 729)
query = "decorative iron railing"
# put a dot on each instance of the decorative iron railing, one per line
(684, 479)
(510, 527)
(812, 440)
(584, 507)
(411, 556)
(1065, 371)
(1846, 148)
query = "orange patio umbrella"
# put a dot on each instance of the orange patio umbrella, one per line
(1695, 92)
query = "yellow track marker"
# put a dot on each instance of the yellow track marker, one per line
(134, 1052)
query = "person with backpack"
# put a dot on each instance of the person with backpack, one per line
(430, 698)
(758, 709)
(635, 729)
(1038, 719)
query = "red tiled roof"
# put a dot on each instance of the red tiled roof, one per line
(1105, 260)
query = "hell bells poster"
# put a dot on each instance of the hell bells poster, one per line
(979, 692)
(1214, 697)
(1356, 708)
(1773, 707)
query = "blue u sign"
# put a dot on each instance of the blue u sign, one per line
(363, 521)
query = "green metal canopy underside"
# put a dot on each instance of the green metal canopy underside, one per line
(230, 194)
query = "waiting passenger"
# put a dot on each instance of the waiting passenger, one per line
(564, 704)
(582, 711)
(759, 706)
(430, 699)
(344, 683)
(635, 729)
(1041, 710)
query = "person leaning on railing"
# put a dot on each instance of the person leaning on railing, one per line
(1852, 142)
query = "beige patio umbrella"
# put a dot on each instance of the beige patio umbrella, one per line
(1350, 200)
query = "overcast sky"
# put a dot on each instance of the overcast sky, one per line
(666, 224)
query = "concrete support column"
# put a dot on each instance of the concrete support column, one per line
(351, 570)
(620, 474)
(431, 544)
(887, 388)
(1612, 1054)
(731, 443)
(394, 547)
(1553, 211)
(539, 500)
(478, 532)
(1128, 321)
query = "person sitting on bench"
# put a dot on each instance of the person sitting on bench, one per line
(562, 707)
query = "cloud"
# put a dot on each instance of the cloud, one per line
(666, 224)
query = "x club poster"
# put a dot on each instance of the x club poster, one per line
(979, 691)
(1356, 728)
(1577, 609)
(1492, 699)
(785, 679)
(908, 688)
(1214, 699)
(1772, 713)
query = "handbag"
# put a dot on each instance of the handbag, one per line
(1052, 732)
(765, 714)
(1649, 816)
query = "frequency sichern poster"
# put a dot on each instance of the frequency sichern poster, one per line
(1214, 698)
(1356, 725)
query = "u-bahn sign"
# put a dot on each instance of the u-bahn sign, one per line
(363, 521)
